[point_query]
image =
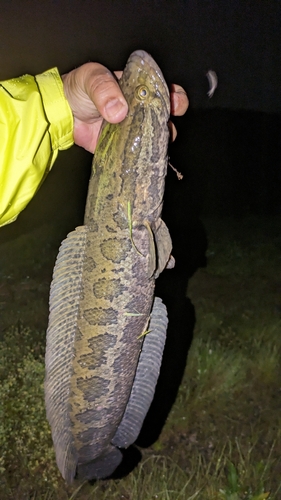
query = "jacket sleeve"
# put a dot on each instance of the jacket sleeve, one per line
(35, 122)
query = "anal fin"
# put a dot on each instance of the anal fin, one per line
(146, 377)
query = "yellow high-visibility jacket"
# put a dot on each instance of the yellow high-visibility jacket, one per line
(35, 122)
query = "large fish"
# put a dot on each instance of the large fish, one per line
(106, 331)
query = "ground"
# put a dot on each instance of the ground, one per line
(213, 431)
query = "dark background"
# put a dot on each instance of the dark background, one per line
(239, 40)
(228, 147)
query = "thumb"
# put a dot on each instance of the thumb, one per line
(104, 91)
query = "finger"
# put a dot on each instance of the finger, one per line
(104, 91)
(179, 100)
(118, 74)
(173, 131)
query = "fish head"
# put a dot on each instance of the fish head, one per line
(144, 77)
(143, 135)
(131, 156)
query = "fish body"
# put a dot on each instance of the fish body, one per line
(103, 284)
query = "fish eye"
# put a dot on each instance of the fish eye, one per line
(142, 92)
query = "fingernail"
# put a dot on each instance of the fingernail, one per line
(113, 108)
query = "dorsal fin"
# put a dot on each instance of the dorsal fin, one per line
(64, 304)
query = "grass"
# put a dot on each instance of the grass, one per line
(222, 439)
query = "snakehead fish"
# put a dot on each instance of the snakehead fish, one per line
(106, 331)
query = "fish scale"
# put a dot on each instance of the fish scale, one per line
(102, 292)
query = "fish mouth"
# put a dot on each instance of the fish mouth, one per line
(146, 63)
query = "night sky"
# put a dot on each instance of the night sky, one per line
(228, 147)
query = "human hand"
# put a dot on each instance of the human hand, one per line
(93, 94)
(179, 105)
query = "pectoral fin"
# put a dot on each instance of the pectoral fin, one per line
(151, 250)
(164, 248)
(159, 248)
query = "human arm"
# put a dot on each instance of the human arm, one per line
(35, 122)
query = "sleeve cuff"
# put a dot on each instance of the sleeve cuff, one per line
(57, 109)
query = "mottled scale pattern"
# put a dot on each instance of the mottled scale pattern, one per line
(104, 278)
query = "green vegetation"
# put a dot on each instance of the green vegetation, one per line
(222, 439)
